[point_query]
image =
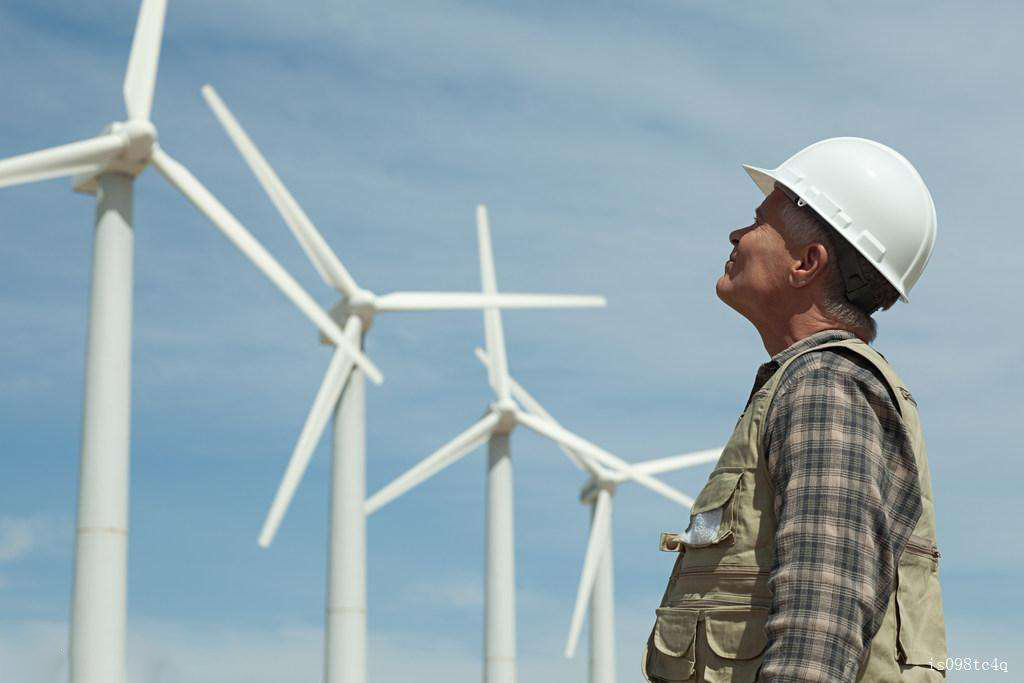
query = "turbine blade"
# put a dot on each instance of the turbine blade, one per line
(181, 178)
(140, 78)
(677, 462)
(532, 405)
(442, 301)
(319, 415)
(581, 445)
(65, 160)
(326, 262)
(493, 332)
(462, 445)
(597, 545)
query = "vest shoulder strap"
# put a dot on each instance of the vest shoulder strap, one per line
(893, 383)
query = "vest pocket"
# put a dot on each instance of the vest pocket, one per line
(736, 642)
(669, 654)
(921, 630)
(711, 518)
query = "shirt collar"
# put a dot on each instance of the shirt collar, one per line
(768, 369)
(816, 339)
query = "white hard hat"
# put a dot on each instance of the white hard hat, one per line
(871, 195)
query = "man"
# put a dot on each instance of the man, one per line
(811, 552)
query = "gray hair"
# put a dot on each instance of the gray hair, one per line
(804, 227)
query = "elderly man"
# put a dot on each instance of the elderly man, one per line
(810, 554)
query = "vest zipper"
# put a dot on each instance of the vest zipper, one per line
(923, 550)
(708, 602)
(724, 570)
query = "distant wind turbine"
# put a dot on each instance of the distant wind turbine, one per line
(494, 428)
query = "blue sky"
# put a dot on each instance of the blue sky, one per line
(606, 139)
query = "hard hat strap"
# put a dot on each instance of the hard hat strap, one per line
(859, 290)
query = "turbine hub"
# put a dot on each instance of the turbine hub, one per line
(139, 140)
(506, 412)
(364, 304)
(361, 305)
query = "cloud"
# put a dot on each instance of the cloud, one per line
(20, 536)
(447, 592)
(33, 651)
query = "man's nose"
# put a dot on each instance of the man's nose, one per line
(736, 234)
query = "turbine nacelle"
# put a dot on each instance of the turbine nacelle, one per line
(594, 486)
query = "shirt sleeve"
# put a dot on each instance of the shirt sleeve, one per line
(841, 464)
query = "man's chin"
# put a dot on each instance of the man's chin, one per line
(723, 288)
(726, 291)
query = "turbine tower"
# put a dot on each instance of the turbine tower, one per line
(596, 585)
(494, 428)
(341, 395)
(106, 165)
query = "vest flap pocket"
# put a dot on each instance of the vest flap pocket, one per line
(717, 491)
(922, 631)
(674, 632)
(672, 656)
(737, 634)
(710, 516)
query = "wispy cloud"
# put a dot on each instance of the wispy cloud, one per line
(446, 592)
(20, 536)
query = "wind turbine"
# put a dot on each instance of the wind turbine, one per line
(341, 394)
(106, 165)
(596, 585)
(500, 418)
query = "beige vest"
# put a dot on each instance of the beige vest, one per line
(710, 626)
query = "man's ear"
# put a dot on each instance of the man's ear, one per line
(812, 264)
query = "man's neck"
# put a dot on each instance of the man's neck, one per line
(779, 335)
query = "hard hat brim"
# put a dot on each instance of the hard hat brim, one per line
(763, 178)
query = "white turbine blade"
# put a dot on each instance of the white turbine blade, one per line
(677, 462)
(532, 405)
(450, 301)
(597, 545)
(140, 78)
(65, 160)
(319, 415)
(494, 334)
(462, 445)
(581, 445)
(180, 177)
(309, 238)
(486, 261)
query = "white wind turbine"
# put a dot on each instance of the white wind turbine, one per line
(596, 585)
(498, 421)
(342, 395)
(106, 165)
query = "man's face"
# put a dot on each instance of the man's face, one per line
(755, 275)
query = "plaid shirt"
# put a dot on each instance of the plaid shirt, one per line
(847, 498)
